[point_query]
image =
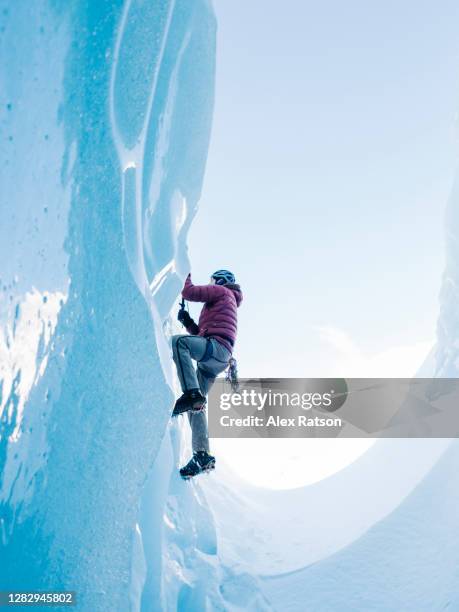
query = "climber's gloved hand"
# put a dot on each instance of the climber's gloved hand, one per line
(184, 317)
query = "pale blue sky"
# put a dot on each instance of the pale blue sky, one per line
(332, 155)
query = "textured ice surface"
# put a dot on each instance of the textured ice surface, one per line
(105, 120)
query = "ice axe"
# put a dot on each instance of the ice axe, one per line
(181, 312)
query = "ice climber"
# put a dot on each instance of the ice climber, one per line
(210, 343)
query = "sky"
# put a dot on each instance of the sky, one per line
(332, 155)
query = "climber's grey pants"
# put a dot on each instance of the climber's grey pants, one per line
(185, 348)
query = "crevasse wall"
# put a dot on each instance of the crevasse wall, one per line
(105, 118)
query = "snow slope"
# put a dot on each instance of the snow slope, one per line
(297, 527)
(408, 561)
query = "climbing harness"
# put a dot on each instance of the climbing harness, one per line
(231, 375)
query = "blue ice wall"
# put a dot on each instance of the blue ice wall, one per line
(447, 357)
(105, 115)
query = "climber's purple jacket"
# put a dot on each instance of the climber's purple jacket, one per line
(218, 316)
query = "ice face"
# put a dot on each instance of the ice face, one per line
(447, 356)
(105, 112)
